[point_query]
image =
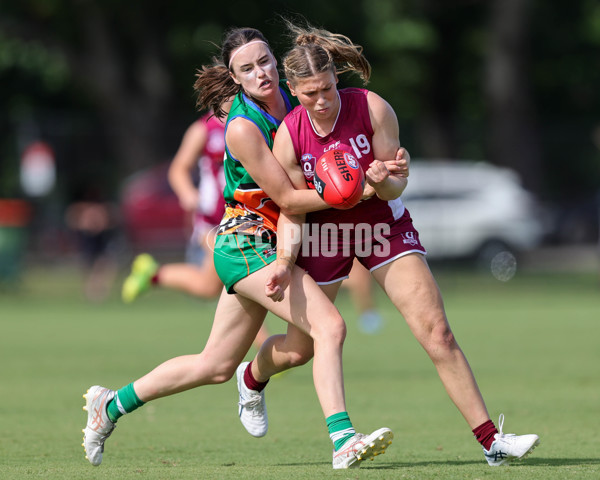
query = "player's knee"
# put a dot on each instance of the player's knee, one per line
(443, 337)
(441, 342)
(331, 328)
(221, 372)
(221, 377)
(300, 357)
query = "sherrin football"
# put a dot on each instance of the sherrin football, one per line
(339, 179)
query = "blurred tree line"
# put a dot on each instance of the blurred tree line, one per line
(109, 83)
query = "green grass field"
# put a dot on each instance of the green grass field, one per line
(533, 344)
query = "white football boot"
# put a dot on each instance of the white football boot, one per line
(252, 406)
(508, 447)
(99, 427)
(362, 447)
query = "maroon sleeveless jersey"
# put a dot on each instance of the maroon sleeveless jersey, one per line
(353, 133)
(374, 231)
(212, 179)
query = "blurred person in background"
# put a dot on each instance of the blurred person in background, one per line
(94, 221)
(202, 147)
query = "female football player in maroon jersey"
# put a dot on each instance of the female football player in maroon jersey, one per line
(378, 231)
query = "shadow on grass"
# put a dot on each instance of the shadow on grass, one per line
(557, 462)
(530, 462)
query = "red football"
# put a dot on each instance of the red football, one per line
(339, 179)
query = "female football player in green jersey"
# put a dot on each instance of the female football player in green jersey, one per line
(245, 252)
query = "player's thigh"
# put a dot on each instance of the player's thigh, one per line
(359, 281)
(410, 285)
(331, 290)
(237, 321)
(304, 304)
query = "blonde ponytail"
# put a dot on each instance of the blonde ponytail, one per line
(318, 50)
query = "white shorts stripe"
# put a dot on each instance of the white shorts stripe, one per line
(345, 277)
(389, 260)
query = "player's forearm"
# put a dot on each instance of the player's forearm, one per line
(391, 188)
(298, 202)
(180, 180)
(289, 238)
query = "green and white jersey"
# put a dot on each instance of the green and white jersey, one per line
(241, 193)
(246, 237)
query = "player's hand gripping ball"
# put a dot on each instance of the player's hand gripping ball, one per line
(339, 179)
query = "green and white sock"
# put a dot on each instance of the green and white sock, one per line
(340, 429)
(124, 401)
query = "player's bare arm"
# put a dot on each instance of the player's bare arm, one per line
(386, 144)
(289, 240)
(192, 144)
(283, 150)
(289, 227)
(246, 143)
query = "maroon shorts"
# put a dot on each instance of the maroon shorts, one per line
(328, 250)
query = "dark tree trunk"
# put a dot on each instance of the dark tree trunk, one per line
(436, 125)
(133, 91)
(513, 131)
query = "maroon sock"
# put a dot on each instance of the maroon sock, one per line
(251, 382)
(484, 434)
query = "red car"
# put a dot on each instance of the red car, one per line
(152, 217)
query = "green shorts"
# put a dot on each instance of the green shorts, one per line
(237, 256)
